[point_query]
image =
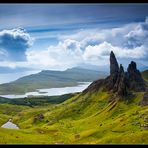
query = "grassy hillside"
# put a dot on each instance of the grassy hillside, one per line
(145, 75)
(50, 79)
(88, 119)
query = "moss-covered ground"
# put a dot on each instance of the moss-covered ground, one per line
(82, 119)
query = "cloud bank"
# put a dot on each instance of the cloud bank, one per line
(13, 44)
(91, 46)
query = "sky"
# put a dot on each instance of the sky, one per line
(35, 37)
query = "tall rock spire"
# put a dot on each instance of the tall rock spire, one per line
(120, 82)
(114, 71)
(114, 67)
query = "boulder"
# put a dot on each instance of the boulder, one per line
(38, 117)
(144, 101)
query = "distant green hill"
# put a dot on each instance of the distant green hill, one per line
(145, 75)
(50, 79)
(37, 101)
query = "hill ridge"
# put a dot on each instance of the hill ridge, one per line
(50, 79)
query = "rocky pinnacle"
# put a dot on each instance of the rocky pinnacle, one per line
(120, 82)
(114, 67)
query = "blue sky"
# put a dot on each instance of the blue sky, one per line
(60, 36)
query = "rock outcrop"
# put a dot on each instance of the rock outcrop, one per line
(120, 82)
(114, 68)
(114, 72)
(38, 117)
(135, 79)
(144, 101)
(94, 86)
(117, 81)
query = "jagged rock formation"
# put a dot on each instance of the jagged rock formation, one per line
(117, 81)
(120, 82)
(136, 81)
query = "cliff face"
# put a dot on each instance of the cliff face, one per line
(120, 82)
(135, 79)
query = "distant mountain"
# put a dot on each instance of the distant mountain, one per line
(142, 67)
(51, 79)
(95, 67)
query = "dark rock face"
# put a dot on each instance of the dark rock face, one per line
(110, 81)
(136, 82)
(114, 68)
(117, 82)
(144, 101)
(122, 87)
(96, 85)
(121, 82)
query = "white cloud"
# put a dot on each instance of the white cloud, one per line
(139, 35)
(90, 46)
(14, 43)
(103, 50)
(66, 54)
(93, 46)
(129, 41)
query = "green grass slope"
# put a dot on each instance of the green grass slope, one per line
(145, 75)
(84, 118)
